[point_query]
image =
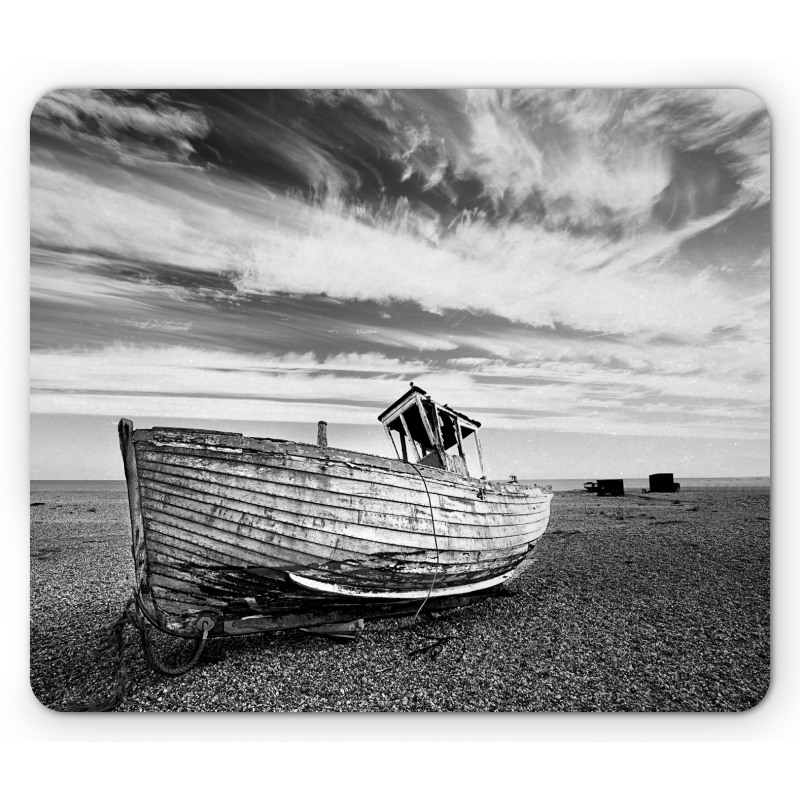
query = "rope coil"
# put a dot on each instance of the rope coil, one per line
(133, 614)
(161, 666)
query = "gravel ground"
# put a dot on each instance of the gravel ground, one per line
(640, 603)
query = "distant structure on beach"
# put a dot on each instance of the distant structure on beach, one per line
(614, 487)
(663, 482)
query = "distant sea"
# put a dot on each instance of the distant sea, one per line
(637, 484)
(77, 486)
(558, 484)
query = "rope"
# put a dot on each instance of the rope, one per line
(156, 624)
(435, 643)
(434, 646)
(132, 614)
(435, 541)
(161, 666)
(115, 638)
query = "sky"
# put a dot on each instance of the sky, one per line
(586, 272)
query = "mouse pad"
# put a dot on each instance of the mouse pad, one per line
(400, 400)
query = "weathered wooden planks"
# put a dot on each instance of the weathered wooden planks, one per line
(253, 544)
(374, 471)
(319, 522)
(309, 486)
(233, 442)
(227, 518)
(171, 536)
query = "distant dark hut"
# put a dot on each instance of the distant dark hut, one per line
(613, 487)
(663, 482)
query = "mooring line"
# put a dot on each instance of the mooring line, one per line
(435, 540)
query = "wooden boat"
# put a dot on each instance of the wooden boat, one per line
(239, 534)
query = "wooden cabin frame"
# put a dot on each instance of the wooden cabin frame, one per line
(427, 430)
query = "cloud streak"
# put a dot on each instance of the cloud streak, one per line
(189, 382)
(580, 261)
(271, 245)
(129, 125)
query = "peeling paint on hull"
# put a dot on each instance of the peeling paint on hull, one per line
(411, 594)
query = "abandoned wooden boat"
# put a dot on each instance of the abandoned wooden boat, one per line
(235, 534)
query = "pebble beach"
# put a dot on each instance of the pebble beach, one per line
(647, 602)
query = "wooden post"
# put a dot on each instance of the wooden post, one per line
(410, 437)
(322, 434)
(459, 439)
(480, 453)
(438, 421)
(391, 439)
(426, 424)
(436, 426)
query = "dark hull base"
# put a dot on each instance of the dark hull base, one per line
(278, 604)
(312, 613)
(255, 600)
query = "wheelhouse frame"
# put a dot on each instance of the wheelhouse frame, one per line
(427, 430)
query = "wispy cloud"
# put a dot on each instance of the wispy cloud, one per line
(565, 260)
(189, 382)
(130, 125)
(274, 245)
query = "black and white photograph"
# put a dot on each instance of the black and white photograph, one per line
(400, 400)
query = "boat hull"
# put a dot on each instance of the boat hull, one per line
(262, 534)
